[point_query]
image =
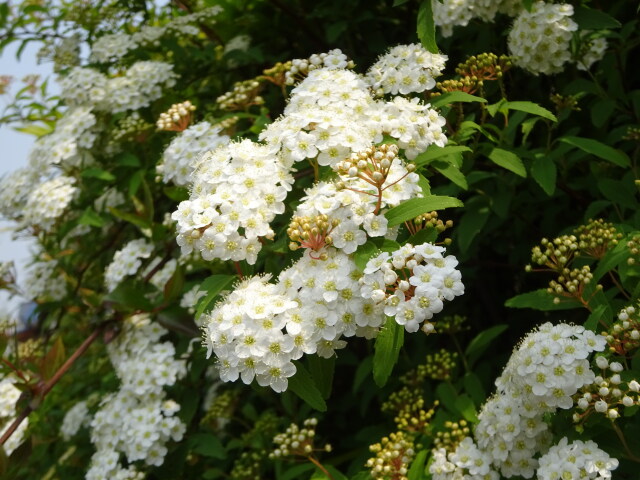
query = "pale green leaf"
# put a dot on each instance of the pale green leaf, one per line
(417, 206)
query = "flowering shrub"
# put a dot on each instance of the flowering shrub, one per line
(216, 210)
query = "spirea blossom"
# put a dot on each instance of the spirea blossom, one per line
(45, 281)
(412, 283)
(467, 462)
(578, 459)
(142, 83)
(75, 418)
(539, 40)
(48, 202)
(9, 396)
(15, 188)
(592, 50)
(406, 69)
(238, 189)
(126, 261)
(182, 154)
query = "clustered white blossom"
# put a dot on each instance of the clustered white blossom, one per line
(126, 261)
(44, 281)
(15, 188)
(190, 299)
(137, 420)
(453, 13)
(549, 367)
(577, 459)
(113, 47)
(592, 50)
(75, 418)
(300, 67)
(412, 283)
(48, 202)
(238, 189)
(160, 277)
(139, 85)
(540, 39)
(467, 462)
(406, 69)
(184, 151)
(9, 396)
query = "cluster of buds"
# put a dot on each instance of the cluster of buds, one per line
(565, 102)
(607, 393)
(633, 244)
(248, 465)
(428, 221)
(475, 71)
(312, 233)
(408, 407)
(227, 124)
(132, 127)
(452, 435)
(453, 324)
(633, 133)
(393, 456)
(597, 237)
(296, 441)
(31, 349)
(571, 281)
(623, 336)
(177, 118)
(438, 366)
(372, 166)
(277, 73)
(221, 410)
(299, 68)
(243, 96)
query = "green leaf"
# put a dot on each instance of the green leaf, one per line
(335, 474)
(508, 160)
(213, 285)
(434, 152)
(619, 192)
(529, 107)
(98, 173)
(322, 370)
(541, 300)
(610, 260)
(598, 149)
(544, 172)
(427, 27)
(132, 295)
(138, 221)
(472, 222)
(53, 359)
(447, 394)
(91, 218)
(295, 472)
(426, 235)
(466, 407)
(452, 173)
(303, 386)
(363, 254)
(36, 130)
(174, 287)
(397, 3)
(177, 194)
(128, 160)
(473, 386)
(417, 206)
(207, 445)
(387, 348)
(416, 471)
(602, 313)
(527, 4)
(452, 97)
(591, 19)
(481, 342)
(362, 372)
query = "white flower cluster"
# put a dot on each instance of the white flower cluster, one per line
(161, 276)
(15, 188)
(9, 396)
(577, 459)
(541, 376)
(43, 281)
(48, 201)
(238, 189)
(331, 114)
(112, 47)
(68, 143)
(75, 418)
(180, 157)
(315, 302)
(333, 59)
(190, 299)
(406, 69)
(136, 88)
(126, 261)
(412, 283)
(540, 39)
(592, 50)
(137, 420)
(467, 462)
(453, 13)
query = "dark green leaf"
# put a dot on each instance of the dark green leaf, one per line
(472, 223)
(322, 370)
(207, 445)
(132, 295)
(452, 97)
(544, 171)
(416, 471)
(320, 475)
(362, 372)
(98, 173)
(427, 26)
(473, 386)
(481, 342)
(465, 406)
(591, 19)
(541, 300)
(529, 107)
(602, 313)
(174, 288)
(598, 149)
(213, 285)
(417, 206)
(387, 348)
(434, 152)
(452, 173)
(619, 192)
(397, 3)
(91, 218)
(446, 393)
(426, 235)
(128, 160)
(508, 160)
(303, 386)
(138, 221)
(363, 254)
